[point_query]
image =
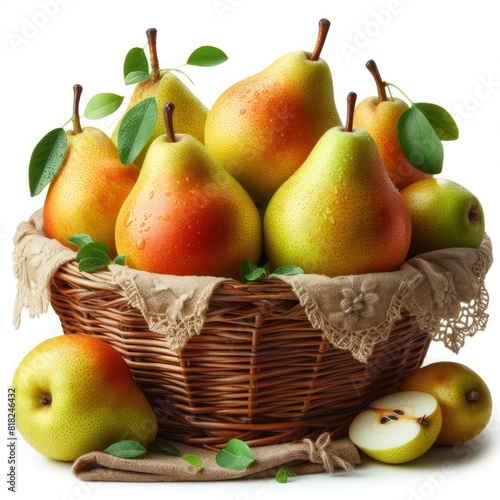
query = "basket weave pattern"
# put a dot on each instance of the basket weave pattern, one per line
(258, 371)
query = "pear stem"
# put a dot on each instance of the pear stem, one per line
(351, 104)
(153, 55)
(373, 69)
(77, 93)
(168, 112)
(324, 26)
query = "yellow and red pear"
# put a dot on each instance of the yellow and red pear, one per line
(186, 215)
(165, 86)
(89, 188)
(379, 116)
(75, 394)
(262, 128)
(339, 213)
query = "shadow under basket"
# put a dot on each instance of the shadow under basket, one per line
(258, 371)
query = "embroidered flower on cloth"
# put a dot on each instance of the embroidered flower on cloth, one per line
(357, 302)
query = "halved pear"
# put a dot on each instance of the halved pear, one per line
(397, 428)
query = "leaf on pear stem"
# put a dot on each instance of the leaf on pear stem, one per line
(136, 129)
(207, 55)
(136, 77)
(46, 159)
(442, 122)
(419, 142)
(135, 62)
(102, 105)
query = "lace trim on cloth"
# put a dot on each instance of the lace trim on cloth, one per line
(444, 290)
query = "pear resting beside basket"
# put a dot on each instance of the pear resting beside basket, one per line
(268, 361)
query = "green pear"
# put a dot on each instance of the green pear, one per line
(186, 215)
(76, 394)
(89, 188)
(164, 86)
(339, 213)
(262, 128)
(398, 428)
(444, 214)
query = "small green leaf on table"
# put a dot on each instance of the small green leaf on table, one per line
(206, 55)
(46, 159)
(284, 473)
(167, 447)
(102, 105)
(419, 142)
(126, 449)
(136, 129)
(194, 460)
(236, 455)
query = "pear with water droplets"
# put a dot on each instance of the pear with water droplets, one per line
(165, 87)
(339, 213)
(262, 128)
(186, 215)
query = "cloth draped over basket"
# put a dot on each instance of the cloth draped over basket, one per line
(444, 290)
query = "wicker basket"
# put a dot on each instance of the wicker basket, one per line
(258, 371)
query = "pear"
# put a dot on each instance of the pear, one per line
(262, 128)
(89, 188)
(398, 428)
(339, 213)
(164, 86)
(76, 394)
(463, 396)
(379, 116)
(186, 215)
(444, 214)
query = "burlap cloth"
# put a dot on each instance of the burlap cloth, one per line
(444, 290)
(303, 457)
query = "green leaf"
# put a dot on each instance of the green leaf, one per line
(135, 62)
(419, 142)
(95, 249)
(136, 129)
(193, 460)
(207, 56)
(167, 447)
(236, 455)
(89, 264)
(46, 159)
(102, 105)
(120, 260)
(442, 122)
(91, 256)
(288, 270)
(80, 239)
(136, 77)
(284, 473)
(126, 449)
(250, 272)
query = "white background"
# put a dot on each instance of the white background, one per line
(444, 52)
